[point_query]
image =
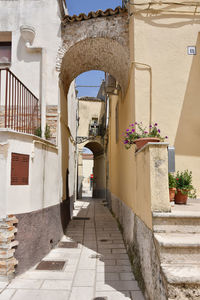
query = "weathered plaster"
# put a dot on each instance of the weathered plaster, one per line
(95, 44)
(142, 251)
(3, 150)
(38, 232)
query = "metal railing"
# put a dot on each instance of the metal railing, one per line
(19, 107)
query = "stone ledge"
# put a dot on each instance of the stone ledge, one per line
(160, 144)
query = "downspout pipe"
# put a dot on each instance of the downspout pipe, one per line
(28, 35)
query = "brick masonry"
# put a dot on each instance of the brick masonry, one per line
(52, 121)
(7, 243)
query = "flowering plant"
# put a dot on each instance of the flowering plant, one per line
(184, 183)
(137, 130)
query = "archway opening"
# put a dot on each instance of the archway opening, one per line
(98, 53)
(106, 54)
(91, 131)
(87, 172)
(94, 170)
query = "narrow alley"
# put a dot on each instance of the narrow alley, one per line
(92, 258)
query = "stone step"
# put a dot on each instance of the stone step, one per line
(188, 222)
(178, 247)
(182, 274)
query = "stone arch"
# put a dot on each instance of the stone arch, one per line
(103, 54)
(95, 147)
(97, 42)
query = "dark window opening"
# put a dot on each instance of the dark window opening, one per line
(5, 52)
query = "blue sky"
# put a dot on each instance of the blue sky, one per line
(85, 6)
(93, 78)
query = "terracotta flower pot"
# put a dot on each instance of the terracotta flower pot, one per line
(172, 192)
(142, 141)
(181, 198)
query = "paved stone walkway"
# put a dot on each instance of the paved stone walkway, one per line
(96, 269)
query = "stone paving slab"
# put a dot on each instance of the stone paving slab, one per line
(98, 268)
(40, 295)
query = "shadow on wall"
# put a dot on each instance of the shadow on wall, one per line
(23, 54)
(187, 141)
(158, 20)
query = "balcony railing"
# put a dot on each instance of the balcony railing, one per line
(19, 107)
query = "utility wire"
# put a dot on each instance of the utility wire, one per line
(166, 3)
(165, 9)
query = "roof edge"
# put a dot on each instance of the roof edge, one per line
(99, 13)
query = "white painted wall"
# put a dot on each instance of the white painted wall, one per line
(37, 70)
(43, 188)
(3, 176)
(44, 16)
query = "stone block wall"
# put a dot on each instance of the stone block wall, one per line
(7, 244)
(140, 245)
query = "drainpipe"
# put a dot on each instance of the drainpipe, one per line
(150, 96)
(76, 154)
(28, 35)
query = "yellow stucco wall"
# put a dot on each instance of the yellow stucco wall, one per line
(88, 109)
(160, 41)
(121, 161)
(99, 172)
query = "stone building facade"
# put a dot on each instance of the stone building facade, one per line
(28, 48)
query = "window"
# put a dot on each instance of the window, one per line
(5, 48)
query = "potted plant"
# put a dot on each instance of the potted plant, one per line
(172, 186)
(137, 134)
(184, 187)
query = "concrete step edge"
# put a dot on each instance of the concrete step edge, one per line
(178, 240)
(182, 214)
(179, 274)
